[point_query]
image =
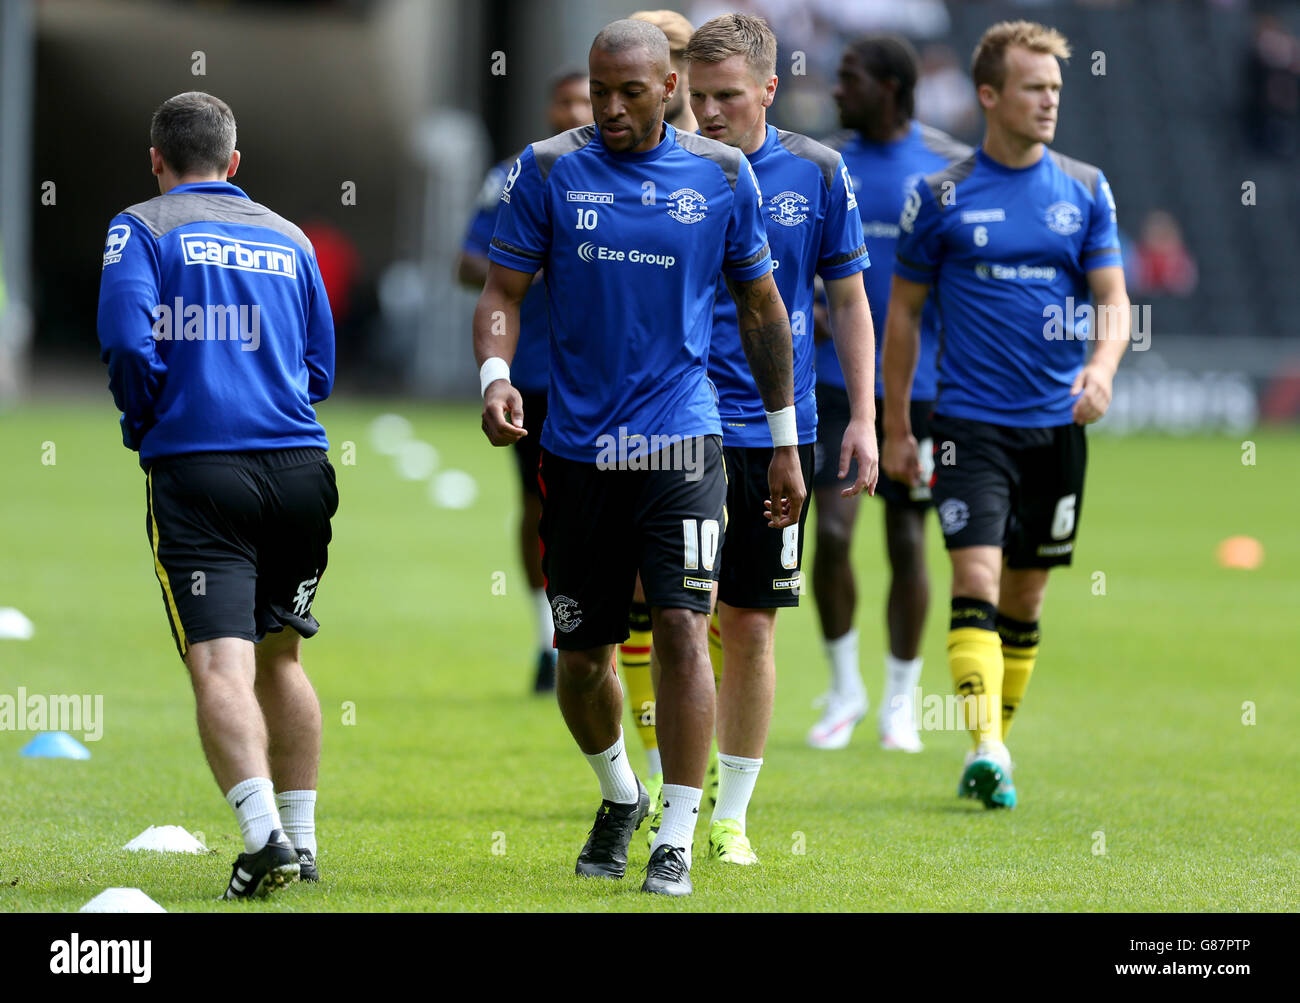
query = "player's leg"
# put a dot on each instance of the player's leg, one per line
(744, 716)
(973, 496)
(590, 589)
(908, 599)
(1053, 464)
(905, 609)
(293, 553)
(634, 656)
(1020, 604)
(293, 723)
(681, 516)
(202, 518)
(833, 585)
(527, 452)
(760, 574)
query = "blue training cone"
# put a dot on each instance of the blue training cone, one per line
(55, 745)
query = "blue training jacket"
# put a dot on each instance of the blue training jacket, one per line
(215, 326)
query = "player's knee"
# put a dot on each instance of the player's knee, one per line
(676, 634)
(581, 669)
(833, 540)
(975, 581)
(1021, 596)
(747, 632)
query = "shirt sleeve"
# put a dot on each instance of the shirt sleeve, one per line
(1101, 247)
(920, 237)
(747, 255)
(319, 355)
(844, 249)
(128, 295)
(481, 226)
(522, 238)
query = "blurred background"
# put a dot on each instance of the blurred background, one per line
(371, 123)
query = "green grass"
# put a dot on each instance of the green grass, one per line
(1132, 727)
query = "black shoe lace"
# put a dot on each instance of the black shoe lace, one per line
(604, 836)
(670, 865)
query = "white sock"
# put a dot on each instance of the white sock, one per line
(901, 677)
(736, 778)
(254, 803)
(681, 809)
(843, 655)
(545, 625)
(653, 763)
(298, 812)
(617, 781)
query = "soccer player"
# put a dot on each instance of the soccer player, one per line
(636, 654)
(813, 228)
(632, 222)
(885, 150)
(1011, 238)
(569, 108)
(678, 32)
(217, 332)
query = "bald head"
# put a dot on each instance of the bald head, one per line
(619, 37)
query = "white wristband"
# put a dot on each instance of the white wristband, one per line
(495, 368)
(782, 424)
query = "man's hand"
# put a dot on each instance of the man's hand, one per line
(860, 441)
(785, 482)
(1094, 381)
(901, 458)
(503, 414)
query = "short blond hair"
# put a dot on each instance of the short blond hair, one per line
(673, 25)
(735, 35)
(989, 63)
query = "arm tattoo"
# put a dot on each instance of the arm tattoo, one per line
(765, 335)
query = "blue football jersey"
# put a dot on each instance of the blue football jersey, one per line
(215, 325)
(882, 174)
(632, 244)
(813, 229)
(528, 369)
(1008, 251)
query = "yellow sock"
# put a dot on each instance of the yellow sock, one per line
(715, 649)
(1019, 650)
(634, 657)
(975, 661)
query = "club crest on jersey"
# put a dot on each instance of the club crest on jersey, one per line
(117, 238)
(788, 208)
(1063, 218)
(566, 614)
(686, 205)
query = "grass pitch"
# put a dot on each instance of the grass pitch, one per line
(1142, 785)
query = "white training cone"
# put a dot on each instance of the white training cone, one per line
(14, 626)
(121, 900)
(167, 839)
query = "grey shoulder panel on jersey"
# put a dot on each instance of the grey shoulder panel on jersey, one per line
(941, 144)
(809, 149)
(548, 151)
(838, 140)
(1083, 173)
(726, 157)
(166, 212)
(953, 174)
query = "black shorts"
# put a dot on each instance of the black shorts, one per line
(760, 565)
(1020, 489)
(239, 540)
(833, 419)
(601, 527)
(528, 450)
